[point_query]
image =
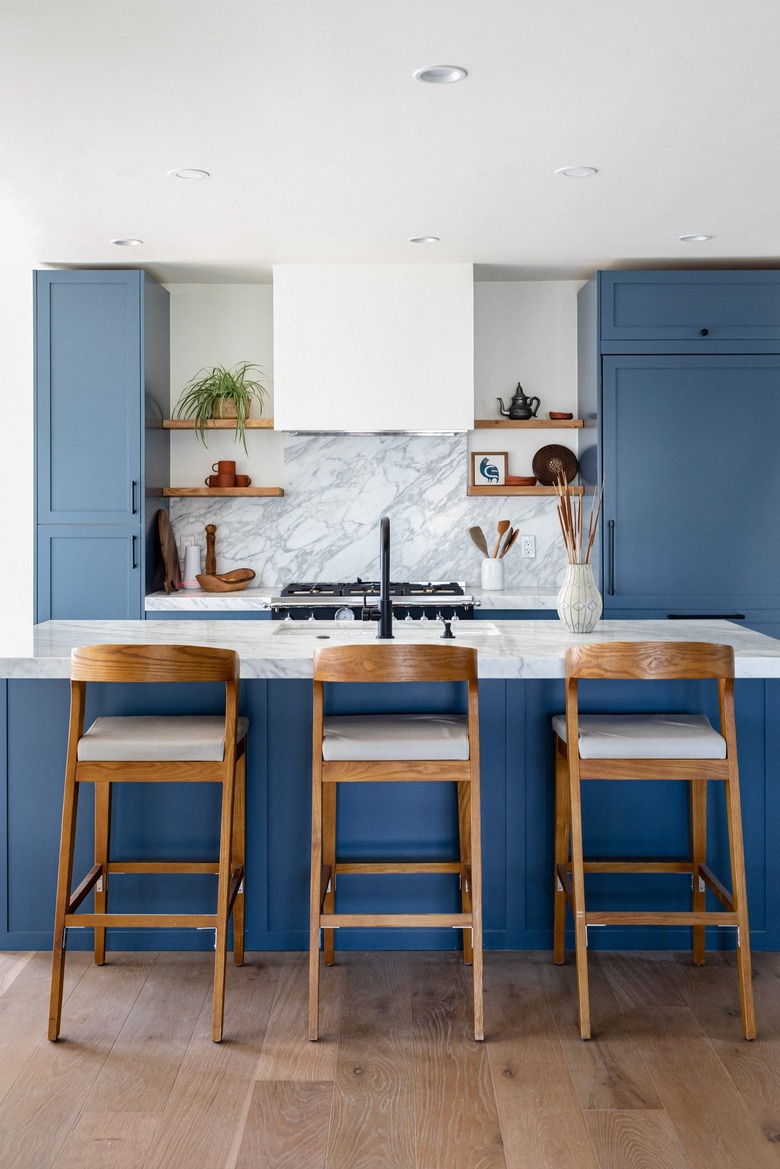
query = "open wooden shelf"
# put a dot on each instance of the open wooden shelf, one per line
(512, 489)
(224, 492)
(528, 424)
(217, 424)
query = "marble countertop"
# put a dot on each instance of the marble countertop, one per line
(194, 600)
(507, 649)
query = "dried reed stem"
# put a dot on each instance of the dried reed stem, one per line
(570, 517)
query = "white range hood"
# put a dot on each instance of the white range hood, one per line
(374, 348)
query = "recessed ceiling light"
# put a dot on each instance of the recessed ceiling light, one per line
(441, 74)
(577, 172)
(127, 243)
(424, 239)
(694, 239)
(188, 173)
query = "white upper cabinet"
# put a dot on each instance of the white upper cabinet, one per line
(374, 347)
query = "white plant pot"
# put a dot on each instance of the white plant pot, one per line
(579, 601)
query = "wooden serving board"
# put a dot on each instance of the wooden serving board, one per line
(170, 553)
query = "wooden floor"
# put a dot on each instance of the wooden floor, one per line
(667, 1082)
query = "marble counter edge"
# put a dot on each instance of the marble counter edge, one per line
(507, 649)
(196, 600)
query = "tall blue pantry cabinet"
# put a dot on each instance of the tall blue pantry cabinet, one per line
(102, 456)
(679, 387)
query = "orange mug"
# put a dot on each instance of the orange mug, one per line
(221, 481)
(243, 481)
(224, 467)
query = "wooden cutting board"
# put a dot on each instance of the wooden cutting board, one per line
(170, 554)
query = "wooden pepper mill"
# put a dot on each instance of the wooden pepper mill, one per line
(211, 553)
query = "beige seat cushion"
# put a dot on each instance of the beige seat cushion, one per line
(395, 736)
(645, 736)
(191, 737)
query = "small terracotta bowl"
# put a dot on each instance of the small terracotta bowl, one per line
(559, 416)
(520, 480)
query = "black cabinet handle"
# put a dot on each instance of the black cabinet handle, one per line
(611, 558)
(135, 553)
(706, 616)
(133, 486)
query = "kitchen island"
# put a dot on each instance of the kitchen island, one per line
(521, 671)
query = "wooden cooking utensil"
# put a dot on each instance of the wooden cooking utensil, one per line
(478, 536)
(501, 527)
(170, 554)
(509, 542)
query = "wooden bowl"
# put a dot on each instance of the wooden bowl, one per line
(520, 480)
(560, 416)
(226, 582)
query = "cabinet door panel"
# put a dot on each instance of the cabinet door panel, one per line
(89, 573)
(692, 478)
(696, 306)
(89, 396)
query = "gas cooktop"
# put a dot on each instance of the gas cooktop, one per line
(370, 588)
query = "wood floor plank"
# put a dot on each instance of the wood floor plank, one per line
(47, 1097)
(373, 1116)
(287, 1052)
(457, 1121)
(200, 1126)
(712, 1121)
(538, 1109)
(121, 1113)
(11, 966)
(711, 993)
(635, 1140)
(287, 1125)
(607, 1071)
(24, 1012)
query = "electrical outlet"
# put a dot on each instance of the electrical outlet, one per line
(528, 546)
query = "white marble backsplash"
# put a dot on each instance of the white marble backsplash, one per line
(326, 527)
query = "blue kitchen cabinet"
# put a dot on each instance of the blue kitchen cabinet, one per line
(697, 311)
(679, 392)
(102, 390)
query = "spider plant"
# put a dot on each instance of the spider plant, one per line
(222, 393)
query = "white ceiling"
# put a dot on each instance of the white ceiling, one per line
(322, 147)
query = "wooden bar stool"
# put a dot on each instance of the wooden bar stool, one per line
(387, 748)
(153, 749)
(650, 746)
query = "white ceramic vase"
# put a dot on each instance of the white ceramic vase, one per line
(492, 573)
(579, 601)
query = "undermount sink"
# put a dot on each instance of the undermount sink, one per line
(366, 630)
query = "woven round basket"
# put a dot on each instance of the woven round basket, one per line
(550, 461)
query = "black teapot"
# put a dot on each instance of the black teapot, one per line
(520, 407)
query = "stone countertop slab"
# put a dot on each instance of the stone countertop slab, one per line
(259, 599)
(507, 649)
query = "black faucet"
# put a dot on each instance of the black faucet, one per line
(385, 630)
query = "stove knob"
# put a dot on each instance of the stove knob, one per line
(288, 617)
(455, 616)
(408, 617)
(424, 617)
(312, 617)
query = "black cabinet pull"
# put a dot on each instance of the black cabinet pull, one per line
(133, 486)
(611, 555)
(704, 332)
(706, 616)
(135, 556)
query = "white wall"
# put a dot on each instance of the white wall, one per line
(222, 324)
(16, 348)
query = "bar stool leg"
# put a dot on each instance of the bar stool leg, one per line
(239, 859)
(329, 806)
(102, 849)
(466, 865)
(475, 826)
(562, 821)
(223, 906)
(739, 887)
(698, 801)
(64, 878)
(315, 898)
(578, 888)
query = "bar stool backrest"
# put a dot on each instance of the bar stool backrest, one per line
(650, 659)
(154, 663)
(395, 663)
